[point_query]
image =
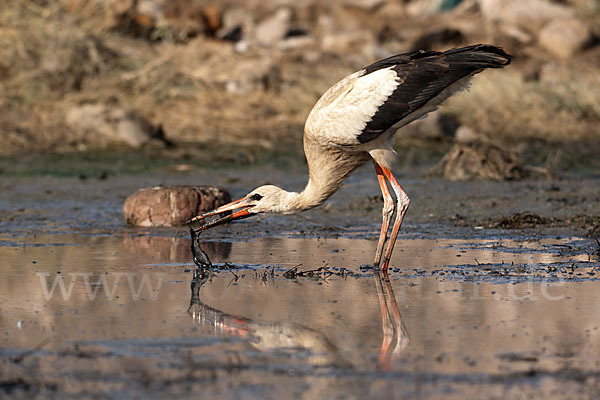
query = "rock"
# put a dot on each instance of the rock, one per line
(369, 5)
(517, 33)
(391, 9)
(273, 29)
(346, 42)
(478, 161)
(297, 42)
(173, 205)
(420, 8)
(213, 16)
(465, 134)
(528, 14)
(153, 9)
(564, 37)
(236, 22)
(102, 125)
(522, 20)
(245, 76)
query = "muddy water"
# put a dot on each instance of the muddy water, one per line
(457, 311)
(89, 306)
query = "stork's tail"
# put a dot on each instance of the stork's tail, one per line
(479, 56)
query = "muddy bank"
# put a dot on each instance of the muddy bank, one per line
(92, 190)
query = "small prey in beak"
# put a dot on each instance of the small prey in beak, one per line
(229, 212)
(199, 256)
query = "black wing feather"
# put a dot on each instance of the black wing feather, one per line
(423, 75)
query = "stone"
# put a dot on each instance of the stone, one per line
(466, 134)
(273, 29)
(245, 76)
(102, 125)
(236, 22)
(419, 8)
(517, 33)
(213, 16)
(172, 205)
(346, 42)
(369, 5)
(528, 14)
(564, 37)
(153, 9)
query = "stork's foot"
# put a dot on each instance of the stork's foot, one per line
(381, 267)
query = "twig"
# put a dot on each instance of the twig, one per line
(44, 12)
(157, 62)
(230, 270)
(321, 272)
(22, 356)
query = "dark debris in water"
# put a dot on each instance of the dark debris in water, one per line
(575, 271)
(203, 262)
(575, 247)
(270, 273)
(520, 357)
(317, 273)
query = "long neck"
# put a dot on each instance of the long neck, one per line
(328, 167)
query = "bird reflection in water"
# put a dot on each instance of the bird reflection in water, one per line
(395, 336)
(265, 336)
(282, 336)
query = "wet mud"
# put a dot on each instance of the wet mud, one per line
(493, 304)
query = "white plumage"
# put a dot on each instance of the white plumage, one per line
(339, 116)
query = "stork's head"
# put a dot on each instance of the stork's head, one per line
(263, 199)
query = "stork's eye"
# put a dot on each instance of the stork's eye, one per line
(256, 197)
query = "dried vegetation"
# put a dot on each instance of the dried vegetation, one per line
(247, 73)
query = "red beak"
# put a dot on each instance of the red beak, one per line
(222, 215)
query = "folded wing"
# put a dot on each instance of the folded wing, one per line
(395, 91)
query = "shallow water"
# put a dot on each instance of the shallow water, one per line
(89, 306)
(451, 308)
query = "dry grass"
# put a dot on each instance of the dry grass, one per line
(204, 91)
(501, 105)
(44, 56)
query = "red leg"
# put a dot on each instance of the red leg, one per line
(403, 203)
(387, 212)
(395, 336)
(383, 361)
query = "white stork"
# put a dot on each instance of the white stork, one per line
(355, 121)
